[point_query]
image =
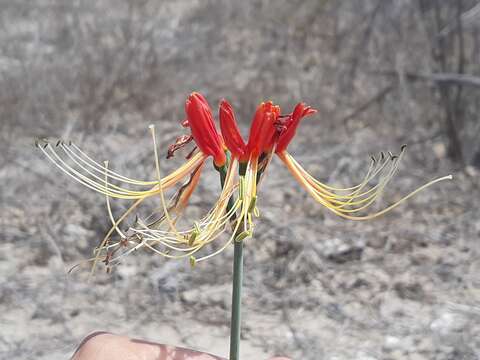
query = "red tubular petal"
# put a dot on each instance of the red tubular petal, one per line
(270, 133)
(231, 135)
(202, 126)
(262, 131)
(291, 125)
(255, 127)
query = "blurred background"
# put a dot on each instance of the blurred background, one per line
(381, 72)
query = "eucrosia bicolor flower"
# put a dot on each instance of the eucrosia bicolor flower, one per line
(241, 165)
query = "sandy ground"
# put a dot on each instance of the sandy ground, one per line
(404, 286)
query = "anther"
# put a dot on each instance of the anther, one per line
(253, 202)
(194, 235)
(180, 142)
(190, 154)
(243, 235)
(192, 238)
(241, 189)
(40, 142)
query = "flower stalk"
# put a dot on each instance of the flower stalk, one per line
(237, 281)
(236, 319)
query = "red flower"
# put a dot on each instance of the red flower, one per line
(263, 130)
(289, 126)
(203, 128)
(231, 135)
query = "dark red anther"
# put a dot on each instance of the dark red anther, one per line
(180, 142)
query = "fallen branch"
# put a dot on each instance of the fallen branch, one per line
(444, 78)
(376, 98)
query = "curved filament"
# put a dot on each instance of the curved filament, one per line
(356, 201)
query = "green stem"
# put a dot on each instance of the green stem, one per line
(235, 325)
(235, 322)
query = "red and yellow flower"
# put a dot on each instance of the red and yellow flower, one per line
(241, 166)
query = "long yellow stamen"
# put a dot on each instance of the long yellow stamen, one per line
(86, 169)
(159, 178)
(188, 242)
(98, 249)
(373, 171)
(357, 198)
(230, 240)
(109, 209)
(87, 160)
(306, 183)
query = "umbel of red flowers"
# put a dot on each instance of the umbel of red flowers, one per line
(269, 132)
(242, 164)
